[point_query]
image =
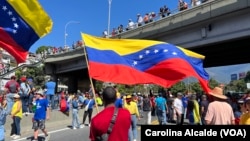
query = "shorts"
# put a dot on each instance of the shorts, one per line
(38, 124)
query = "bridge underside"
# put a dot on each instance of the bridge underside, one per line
(224, 54)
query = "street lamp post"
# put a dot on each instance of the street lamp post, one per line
(109, 16)
(65, 31)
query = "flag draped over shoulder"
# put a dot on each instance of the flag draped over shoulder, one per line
(130, 61)
(22, 23)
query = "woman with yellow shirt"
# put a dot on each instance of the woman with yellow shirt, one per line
(245, 117)
(131, 106)
(16, 115)
(99, 100)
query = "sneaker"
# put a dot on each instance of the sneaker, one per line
(47, 137)
(81, 126)
(12, 136)
(16, 137)
(74, 128)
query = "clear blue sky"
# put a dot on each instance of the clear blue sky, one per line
(93, 18)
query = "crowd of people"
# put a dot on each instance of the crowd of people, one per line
(124, 110)
(149, 17)
(209, 109)
(21, 98)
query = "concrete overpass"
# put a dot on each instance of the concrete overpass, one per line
(219, 29)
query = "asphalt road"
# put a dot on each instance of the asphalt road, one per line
(61, 131)
(64, 133)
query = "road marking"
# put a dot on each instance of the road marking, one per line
(59, 130)
(155, 122)
(50, 132)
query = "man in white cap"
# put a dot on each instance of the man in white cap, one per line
(139, 20)
(41, 114)
(16, 115)
(219, 111)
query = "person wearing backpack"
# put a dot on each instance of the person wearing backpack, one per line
(24, 94)
(10, 89)
(147, 108)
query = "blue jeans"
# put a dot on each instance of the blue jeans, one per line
(75, 118)
(51, 101)
(162, 117)
(133, 130)
(10, 102)
(25, 101)
(17, 122)
(2, 133)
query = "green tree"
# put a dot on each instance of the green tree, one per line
(247, 78)
(178, 87)
(237, 86)
(213, 83)
(41, 49)
(37, 73)
(196, 87)
(240, 85)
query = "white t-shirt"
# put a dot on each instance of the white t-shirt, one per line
(131, 25)
(178, 105)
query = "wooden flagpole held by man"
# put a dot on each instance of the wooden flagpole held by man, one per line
(90, 79)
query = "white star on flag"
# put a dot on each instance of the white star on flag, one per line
(174, 53)
(165, 50)
(140, 56)
(12, 19)
(134, 63)
(156, 51)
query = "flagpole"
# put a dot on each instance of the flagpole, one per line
(90, 79)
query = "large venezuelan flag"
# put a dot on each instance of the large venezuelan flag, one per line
(128, 61)
(22, 23)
